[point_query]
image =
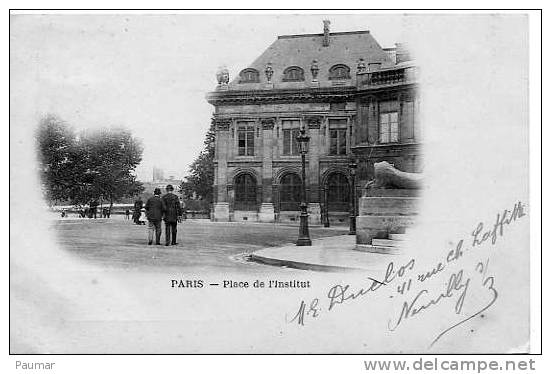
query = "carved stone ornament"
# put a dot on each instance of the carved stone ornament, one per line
(269, 71)
(223, 76)
(222, 124)
(267, 123)
(314, 122)
(314, 69)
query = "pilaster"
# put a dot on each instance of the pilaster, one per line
(222, 127)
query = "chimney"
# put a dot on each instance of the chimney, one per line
(402, 53)
(326, 24)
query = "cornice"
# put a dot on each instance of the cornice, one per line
(281, 96)
(306, 95)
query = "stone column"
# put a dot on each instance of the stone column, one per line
(267, 213)
(314, 209)
(221, 207)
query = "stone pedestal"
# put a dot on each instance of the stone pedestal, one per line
(314, 214)
(266, 213)
(222, 212)
(384, 215)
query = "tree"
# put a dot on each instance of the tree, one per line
(56, 143)
(94, 165)
(111, 158)
(198, 183)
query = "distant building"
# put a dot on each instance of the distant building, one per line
(159, 181)
(158, 174)
(356, 101)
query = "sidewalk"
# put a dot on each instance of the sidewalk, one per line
(334, 253)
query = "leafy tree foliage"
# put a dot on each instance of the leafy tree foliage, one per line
(198, 184)
(93, 165)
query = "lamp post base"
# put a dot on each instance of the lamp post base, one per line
(304, 234)
(352, 230)
(304, 242)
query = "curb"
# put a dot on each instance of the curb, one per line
(303, 265)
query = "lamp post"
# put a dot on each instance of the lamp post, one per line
(303, 234)
(325, 209)
(352, 166)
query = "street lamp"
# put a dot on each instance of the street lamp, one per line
(303, 235)
(352, 166)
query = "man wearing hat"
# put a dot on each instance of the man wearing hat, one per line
(171, 213)
(154, 208)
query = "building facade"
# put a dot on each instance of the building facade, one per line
(356, 102)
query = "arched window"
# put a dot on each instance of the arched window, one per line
(338, 193)
(245, 192)
(289, 192)
(249, 75)
(339, 71)
(293, 74)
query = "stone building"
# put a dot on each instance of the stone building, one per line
(356, 101)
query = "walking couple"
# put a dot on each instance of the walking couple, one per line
(165, 208)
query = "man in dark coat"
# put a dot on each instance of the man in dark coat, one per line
(154, 208)
(172, 211)
(138, 205)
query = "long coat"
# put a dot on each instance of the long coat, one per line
(173, 208)
(154, 208)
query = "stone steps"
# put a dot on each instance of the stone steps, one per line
(377, 249)
(386, 242)
(399, 237)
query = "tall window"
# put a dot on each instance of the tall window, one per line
(290, 132)
(245, 192)
(337, 136)
(338, 193)
(289, 192)
(245, 139)
(388, 127)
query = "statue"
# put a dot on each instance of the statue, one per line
(361, 66)
(387, 177)
(269, 71)
(326, 24)
(223, 76)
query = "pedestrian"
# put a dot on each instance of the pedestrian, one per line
(154, 208)
(94, 209)
(127, 214)
(138, 205)
(172, 211)
(143, 218)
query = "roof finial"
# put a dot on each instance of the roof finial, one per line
(326, 24)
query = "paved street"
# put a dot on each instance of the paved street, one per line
(202, 245)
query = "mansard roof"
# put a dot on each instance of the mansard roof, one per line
(345, 48)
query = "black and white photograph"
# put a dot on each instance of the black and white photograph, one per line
(270, 183)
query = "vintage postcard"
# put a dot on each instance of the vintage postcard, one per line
(269, 183)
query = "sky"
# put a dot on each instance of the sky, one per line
(150, 73)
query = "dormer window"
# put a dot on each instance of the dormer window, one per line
(249, 75)
(293, 74)
(339, 71)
